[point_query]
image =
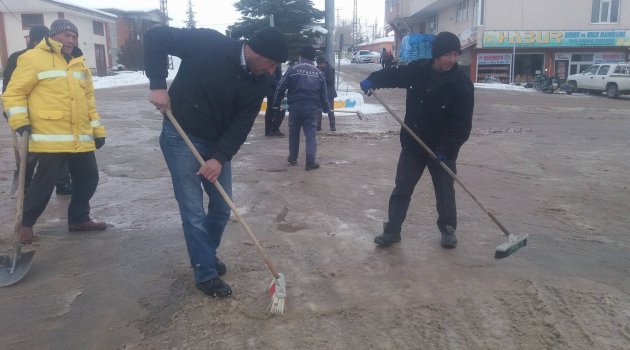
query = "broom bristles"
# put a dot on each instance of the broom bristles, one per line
(510, 247)
(277, 292)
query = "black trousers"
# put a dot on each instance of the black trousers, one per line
(273, 118)
(31, 163)
(84, 175)
(408, 173)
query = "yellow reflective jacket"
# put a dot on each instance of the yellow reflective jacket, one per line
(56, 98)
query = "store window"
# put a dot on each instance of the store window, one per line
(462, 12)
(31, 19)
(605, 11)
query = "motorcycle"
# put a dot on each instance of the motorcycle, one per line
(546, 83)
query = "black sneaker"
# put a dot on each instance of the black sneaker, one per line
(449, 239)
(386, 239)
(311, 166)
(220, 266)
(292, 161)
(215, 288)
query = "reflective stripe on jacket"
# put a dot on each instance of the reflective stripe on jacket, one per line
(56, 98)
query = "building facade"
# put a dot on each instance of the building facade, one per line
(17, 17)
(513, 40)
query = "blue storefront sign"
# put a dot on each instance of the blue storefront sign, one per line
(556, 38)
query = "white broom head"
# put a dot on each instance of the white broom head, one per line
(277, 292)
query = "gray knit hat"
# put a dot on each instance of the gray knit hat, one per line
(62, 25)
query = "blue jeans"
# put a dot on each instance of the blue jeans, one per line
(305, 119)
(202, 231)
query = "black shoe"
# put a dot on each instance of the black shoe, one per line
(449, 239)
(386, 239)
(332, 128)
(64, 190)
(277, 133)
(215, 288)
(311, 166)
(292, 161)
(220, 266)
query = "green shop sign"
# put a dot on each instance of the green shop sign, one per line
(555, 38)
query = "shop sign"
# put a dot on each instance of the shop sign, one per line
(562, 56)
(558, 38)
(497, 58)
(608, 57)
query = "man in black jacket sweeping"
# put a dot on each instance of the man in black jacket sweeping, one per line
(216, 97)
(440, 101)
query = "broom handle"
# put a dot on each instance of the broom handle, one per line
(19, 207)
(444, 166)
(225, 196)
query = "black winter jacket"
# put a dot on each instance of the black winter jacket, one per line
(212, 96)
(439, 105)
(8, 70)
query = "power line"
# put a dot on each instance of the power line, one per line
(11, 12)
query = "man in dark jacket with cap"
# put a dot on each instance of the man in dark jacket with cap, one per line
(329, 75)
(216, 97)
(440, 101)
(307, 98)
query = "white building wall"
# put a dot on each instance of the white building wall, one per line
(15, 35)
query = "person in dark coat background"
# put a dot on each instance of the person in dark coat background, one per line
(215, 96)
(329, 75)
(274, 117)
(307, 98)
(440, 102)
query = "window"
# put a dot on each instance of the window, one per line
(591, 70)
(98, 28)
(605, 11)
(432, 24)
(603, 70)
(462, 12)
(29, 20)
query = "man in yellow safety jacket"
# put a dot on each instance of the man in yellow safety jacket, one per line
(51, 96)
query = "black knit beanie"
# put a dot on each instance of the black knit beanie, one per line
(37, 33)
(269, 42)
(62, 25)
(308, 52)
(444, 43)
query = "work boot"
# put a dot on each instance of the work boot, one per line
(220, 266)
(311, 166)
(449, 239)
(387, 238)
(26, 235)
(89, 225)
(215, 288)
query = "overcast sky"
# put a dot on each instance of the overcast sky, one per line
(218, 14)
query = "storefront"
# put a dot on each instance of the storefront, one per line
(508, 56)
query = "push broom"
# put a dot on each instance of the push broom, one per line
(277, 288)
(503, 250)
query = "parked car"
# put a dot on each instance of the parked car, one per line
(612, 78)
(365, 56)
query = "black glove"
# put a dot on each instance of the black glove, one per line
(22, 129)
(99, 142)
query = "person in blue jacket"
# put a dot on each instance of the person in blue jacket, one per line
(307, 98)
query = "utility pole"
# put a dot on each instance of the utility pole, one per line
(164, 9)
(355, 25)
(330, 34)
